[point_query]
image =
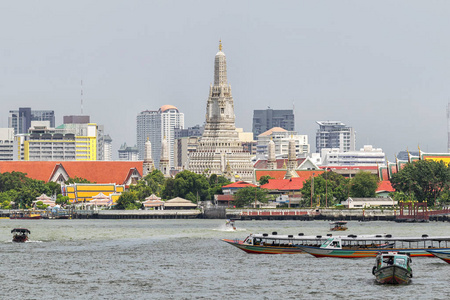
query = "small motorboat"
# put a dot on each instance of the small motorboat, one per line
(20, 235)
(444, 255)
(393, 268)
(338, 226)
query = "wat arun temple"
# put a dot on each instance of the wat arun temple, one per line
(219, 150)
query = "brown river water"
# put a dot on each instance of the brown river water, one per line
(186, 259)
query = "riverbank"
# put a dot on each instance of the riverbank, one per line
(247, 214)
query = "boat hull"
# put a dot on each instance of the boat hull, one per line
(393, 275)
(359, 253)
(444, 255)
(20, 238)
(259, 249)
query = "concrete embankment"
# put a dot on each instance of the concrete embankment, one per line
(315, 214)
(136, 214)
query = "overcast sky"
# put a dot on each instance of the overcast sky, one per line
(382, 67)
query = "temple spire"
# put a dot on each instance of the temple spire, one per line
(220, 45)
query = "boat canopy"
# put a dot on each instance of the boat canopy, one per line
(20, 230)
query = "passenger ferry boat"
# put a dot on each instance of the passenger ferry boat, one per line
(263, 243)
(392, 267)
(442, 254)
(353, 246)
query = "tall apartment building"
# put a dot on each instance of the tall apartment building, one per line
(334, 134)
(21, 119)
(155, 126)
(266, 119)
(6, 143)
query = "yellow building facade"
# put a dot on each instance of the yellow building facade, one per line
(83, 192)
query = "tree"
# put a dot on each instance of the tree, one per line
(264, 179)
(329, 189)
(77, 180)
(215, 185)
(188, 185)
(248, 195)
(62, 200)
(364, 185)
(426, 180)
(127, 200)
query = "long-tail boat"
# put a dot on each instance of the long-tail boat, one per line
(276, 244)
(442, 254)
(353, 246)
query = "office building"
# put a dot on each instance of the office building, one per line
(266, 119)
(21, 119)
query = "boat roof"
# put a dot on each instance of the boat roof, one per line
(389, 237)
(338, 223)
(23, 230)
(353, 237)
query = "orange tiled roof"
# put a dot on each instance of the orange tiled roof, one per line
(385, 186)
(285, 184)
(238, 184)
(279, 174)
(94, 171)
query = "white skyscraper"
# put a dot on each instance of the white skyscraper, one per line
(154, 126)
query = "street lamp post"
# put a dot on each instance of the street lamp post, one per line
(312, 189)
(326, 187)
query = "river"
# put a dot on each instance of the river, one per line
(185, 259)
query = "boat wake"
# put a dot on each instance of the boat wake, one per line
(228, 228)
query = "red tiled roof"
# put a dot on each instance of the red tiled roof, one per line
(349, 167)
(94, 171)
(279, 174)
(238, 184)
(385, 186)
(262, 163)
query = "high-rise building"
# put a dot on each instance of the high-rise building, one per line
(219, 150)
(155, 126)
(334, 134)
(266, 119)
(21, 119)
(107, 148)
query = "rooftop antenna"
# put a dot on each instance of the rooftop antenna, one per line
(81, 97)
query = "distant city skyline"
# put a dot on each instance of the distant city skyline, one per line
(380, 68)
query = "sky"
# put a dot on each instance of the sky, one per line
(381, 67)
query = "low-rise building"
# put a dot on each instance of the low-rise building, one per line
(369, 202)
